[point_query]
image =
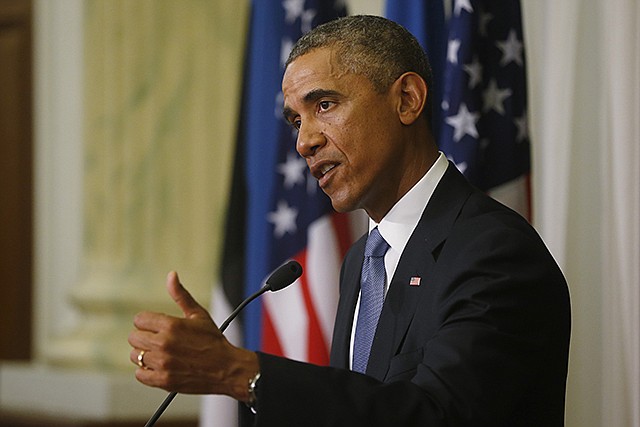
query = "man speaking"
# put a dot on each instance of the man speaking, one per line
(452, 312)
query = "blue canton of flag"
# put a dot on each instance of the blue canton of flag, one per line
(484, 130)
(284, 202)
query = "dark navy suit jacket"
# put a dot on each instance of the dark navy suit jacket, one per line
(482, 341)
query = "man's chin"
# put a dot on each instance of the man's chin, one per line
(342, 206)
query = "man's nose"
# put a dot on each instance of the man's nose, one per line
(310, 138)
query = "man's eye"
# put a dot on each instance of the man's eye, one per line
(324, 105)
(296, 124)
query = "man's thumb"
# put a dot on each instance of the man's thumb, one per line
(183, 298)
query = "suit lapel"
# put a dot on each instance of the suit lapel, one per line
(417, 260)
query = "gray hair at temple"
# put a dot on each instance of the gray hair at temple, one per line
(372, 46)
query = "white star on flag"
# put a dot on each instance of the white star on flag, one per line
(307, 19)
(293, 9)
(452, 51)
(522, 126)
(474, 70)
(462, 166)
(285, 50)
(494, 98)
(293, 170)
(511, 49)
(283, 219)
(463, 123)
(462, 4)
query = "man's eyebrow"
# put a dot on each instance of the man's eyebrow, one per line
(316, 94)
(310, 97)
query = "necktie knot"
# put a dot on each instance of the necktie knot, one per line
(376, 245)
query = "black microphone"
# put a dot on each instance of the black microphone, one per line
(282, 277)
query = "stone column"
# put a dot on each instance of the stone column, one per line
(162, 84)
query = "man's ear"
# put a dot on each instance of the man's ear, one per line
(413, 97)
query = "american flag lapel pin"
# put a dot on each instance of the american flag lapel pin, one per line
(415, 281)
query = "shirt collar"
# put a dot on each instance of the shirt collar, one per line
(398, 224)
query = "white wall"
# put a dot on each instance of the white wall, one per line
(365, 7)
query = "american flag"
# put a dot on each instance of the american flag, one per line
(288, 216)
(482, 107)
(276, 211)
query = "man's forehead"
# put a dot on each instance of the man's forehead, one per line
(318, 65)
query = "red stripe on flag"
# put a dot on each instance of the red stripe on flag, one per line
(270, 341)
(342, 227)
(317, 348)
(312, 339)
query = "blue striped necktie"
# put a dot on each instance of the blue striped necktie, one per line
(372, 284)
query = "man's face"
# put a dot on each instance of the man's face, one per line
(349, 134)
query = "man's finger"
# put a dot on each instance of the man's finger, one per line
(185, 301)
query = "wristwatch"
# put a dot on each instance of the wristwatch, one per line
(252, 403)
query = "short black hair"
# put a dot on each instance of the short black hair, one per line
(372, 46)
